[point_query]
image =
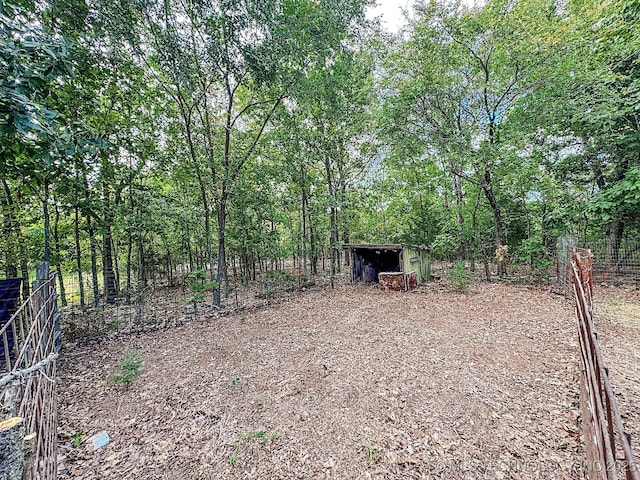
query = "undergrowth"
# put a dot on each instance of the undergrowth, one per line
(461, 279)
(130, 364)
(252, 437)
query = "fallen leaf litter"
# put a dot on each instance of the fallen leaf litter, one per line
(350, 383)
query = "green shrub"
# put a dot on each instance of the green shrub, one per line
(77, 438)
(533, 252)
(370, 452)
(461, 279)
(199, 285)
(130, 364)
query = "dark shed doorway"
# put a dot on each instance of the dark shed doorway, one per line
(370, 260)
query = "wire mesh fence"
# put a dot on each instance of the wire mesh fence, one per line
(607, 444)
(31, 341)
(165, 300)
(616, 261)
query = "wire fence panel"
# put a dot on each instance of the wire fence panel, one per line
(608, 446)
(28, 384)
(564, 247)
(617, 262)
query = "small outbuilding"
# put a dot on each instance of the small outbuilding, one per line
(395, 266)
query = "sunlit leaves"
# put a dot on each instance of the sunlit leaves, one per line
(30, 60)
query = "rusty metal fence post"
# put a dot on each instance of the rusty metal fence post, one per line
(607, 445)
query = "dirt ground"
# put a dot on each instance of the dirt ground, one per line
(351, 383)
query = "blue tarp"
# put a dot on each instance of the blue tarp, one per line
(9, 297)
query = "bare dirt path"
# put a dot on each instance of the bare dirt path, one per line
(354, 383)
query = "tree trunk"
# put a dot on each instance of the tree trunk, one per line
(305, 200)
(169, 268)
(333, 235)
(56, 246)
(254, 272)
(314, 248)
(24, 268)
(116, 264)
(462, 247)
(94, 261)
(128, 267)
(614, 240)
(221, 274)
(497, 217)
(189, 252)
(142, 279)
(76, 232)
(108, 274)
(346, 241)
(203, 191)
(47, 221)
(224, 193)
(142, 274)
(93, 247)
(474, 233)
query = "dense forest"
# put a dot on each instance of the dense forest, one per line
(228, 135)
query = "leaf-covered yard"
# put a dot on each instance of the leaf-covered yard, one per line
(354, 383)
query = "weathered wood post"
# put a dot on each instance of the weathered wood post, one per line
(12, 454)
(48, 305)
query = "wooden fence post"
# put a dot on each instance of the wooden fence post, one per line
(12, 461)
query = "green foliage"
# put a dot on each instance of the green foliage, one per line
(444, 244)
(199, 285)
(244, 444)
(286, 144)
(129, 367)
(113, 325)
(371, 453)
(620, 200)
(78, 437)
(533, 252)
(32, 59)
(280, 275)
(461, 279)
(261, 436)
(197, 277)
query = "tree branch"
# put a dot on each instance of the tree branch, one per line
(10, 377)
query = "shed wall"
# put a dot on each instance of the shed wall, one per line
(417, 260)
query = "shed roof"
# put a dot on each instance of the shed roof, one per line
(382, 246)
(368, 246)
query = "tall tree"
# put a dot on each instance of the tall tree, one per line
(458, 79)
(32, 60)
